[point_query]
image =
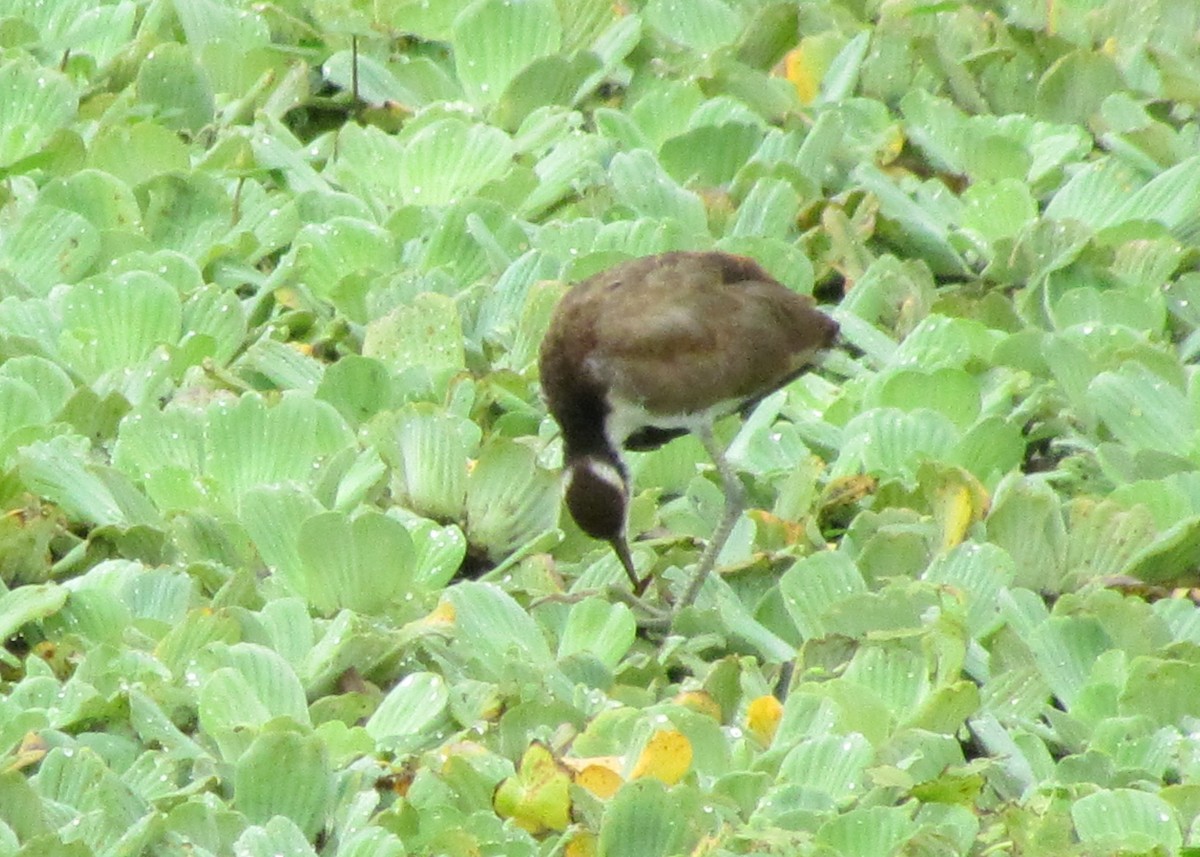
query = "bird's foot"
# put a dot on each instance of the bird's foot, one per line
(563, 597)
(647, 614)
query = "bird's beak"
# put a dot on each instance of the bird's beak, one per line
(621, 549)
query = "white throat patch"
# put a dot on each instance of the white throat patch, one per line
(603, 470)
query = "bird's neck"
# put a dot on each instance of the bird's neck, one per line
(583, 413)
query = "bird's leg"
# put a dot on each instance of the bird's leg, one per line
(735, 502)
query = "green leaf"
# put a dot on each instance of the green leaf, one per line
(644, 186)
(172, 82)
(1169, 199)
(552, 80)
(643, 819)
(363, 564)
(27, 604)
(376, 82)
(413, 706)
(359, 387)
(510, 500)
(924, 233)
(1161, 690)
(951, 392)
(894, 674)
(76, 778)
(491, 627)
(429, 452)
(284, 774)
(138, 153)
(1065, 649)
(47, 247)
(1073, 88)
(206, 21)
(981, 571)
(585, 21)
(112, 324)
(770, 209)
(217, 314)
(473, 239)
(102, 199)
(34, 102)
(537, 798)
(1143, 410)
(702, 25)
(327, 253)
(160, 594)
(429, 21)
(1104, 537)
(875, 830)
(440, 552)
(274, 689)
(187, 211)
(831, 765)
(575, 163)
(50, 384)
(1000, 209)
(426, 332)
(20, 407)
(281, 365)
(1046, 246)
(991, 448)
(278, 837)
(1127, 820)
(816, 584)
(1089, 307)
(891, 443)
(1095, 193)
(494, 39)
(604, 630)
(711, 155)
(1172, 558)
(842, 76)
(289, 438)
(274, 516)
(60, 470)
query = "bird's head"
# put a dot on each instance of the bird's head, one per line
(597, 495)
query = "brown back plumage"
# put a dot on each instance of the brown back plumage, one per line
(679, 332)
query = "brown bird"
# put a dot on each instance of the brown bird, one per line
(657, 347)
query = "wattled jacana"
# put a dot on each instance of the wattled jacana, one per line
(657, 347)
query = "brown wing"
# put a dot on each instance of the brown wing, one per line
(682, 331)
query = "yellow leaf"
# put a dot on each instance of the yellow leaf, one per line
(600, 775)
(802, 73)
(582, 844)
(600, 780)
(956, 514)
(847, 490)
(666, 757)
(579, 763)
(287, 297)
(762, 718)
(32, 750)
(537, 798)
(701, 702)
(958, 500)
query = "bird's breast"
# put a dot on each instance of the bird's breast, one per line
(628, 418)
